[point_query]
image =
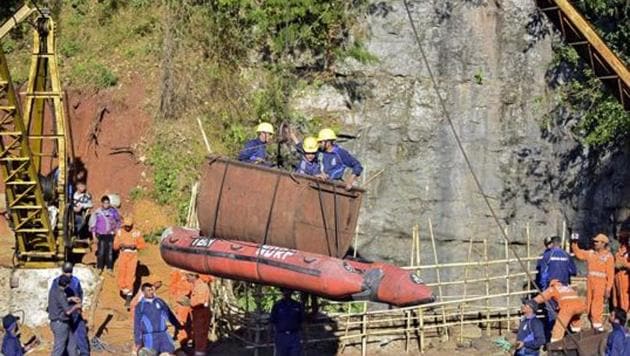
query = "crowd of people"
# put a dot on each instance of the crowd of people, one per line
(321, 157)
(606, 281)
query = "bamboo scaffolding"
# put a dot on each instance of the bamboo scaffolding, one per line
(437, 273)
(492, 308)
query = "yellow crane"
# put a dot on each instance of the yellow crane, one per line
(579, 34)
(34, 147)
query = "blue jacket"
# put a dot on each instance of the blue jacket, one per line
(287, 315)
(532, 333)
(615, 342)
(11, 345)
(334, 163)
(254, 151)
(555, 263)
(73, 289)
(150, 318)
(308, 168)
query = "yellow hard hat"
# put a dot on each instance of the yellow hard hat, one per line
(264, 127)
(310, 145)
(326, 135)
(601, 238)
(128, 221)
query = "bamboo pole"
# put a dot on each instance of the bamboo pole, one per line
(205, 137)
(364, 329)
(437, 273)
(564, 235)
(487, 274)
(529, 282)
(481, 263)
(462, 306)
(421, 326)
(507, 283)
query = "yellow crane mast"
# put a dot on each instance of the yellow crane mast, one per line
(34, 147)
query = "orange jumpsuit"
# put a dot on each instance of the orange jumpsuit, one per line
(128, 242)
(179, 288)
(601, 273)
(570, 307)
(200, 304)
(621, 298)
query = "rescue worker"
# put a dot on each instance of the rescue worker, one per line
(78, 326)
(617, 337)
(59, 313)
(199, 303)
(128, 240)
(621, 287)
(554, 263)
(151, 279)
(570, 308)
(104, 223)
(531, 335)
(286, 317)
(335, 159)
(149, 323)
(11, 344)
(309, 164)
(180, 290)
(600, 267)
(255, 150)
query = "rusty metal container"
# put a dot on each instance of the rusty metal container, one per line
(239, 201)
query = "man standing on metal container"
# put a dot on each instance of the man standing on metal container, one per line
(255, 150)
(335, 159)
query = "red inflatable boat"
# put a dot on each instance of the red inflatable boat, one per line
(325, 276)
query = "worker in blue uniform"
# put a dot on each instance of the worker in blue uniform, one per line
(149, 323)
(554, 263)
(286, 317)
(309, 164)
(11, 344)
(531, 335)
(617, 337)
(335, 159)
(78, 327)
(255, 150)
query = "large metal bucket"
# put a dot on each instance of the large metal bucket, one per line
(245, 202)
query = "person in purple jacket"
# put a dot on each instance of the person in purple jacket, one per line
(104, 223)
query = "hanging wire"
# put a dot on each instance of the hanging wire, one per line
(471, 170)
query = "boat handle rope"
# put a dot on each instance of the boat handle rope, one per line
(273, 203)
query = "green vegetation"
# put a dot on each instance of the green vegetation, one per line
(230, 63)
(604, 121)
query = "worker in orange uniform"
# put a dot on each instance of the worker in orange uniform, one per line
(600, 265)
(180, 290)
(128, 240)
(621, 288)
(570, 308)
(200, 306)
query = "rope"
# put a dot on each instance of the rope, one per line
(336, 220)
(470, 167)
(321, 208)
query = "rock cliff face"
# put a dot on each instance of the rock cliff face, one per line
(490, 59)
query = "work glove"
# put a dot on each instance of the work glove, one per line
(575, 237)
